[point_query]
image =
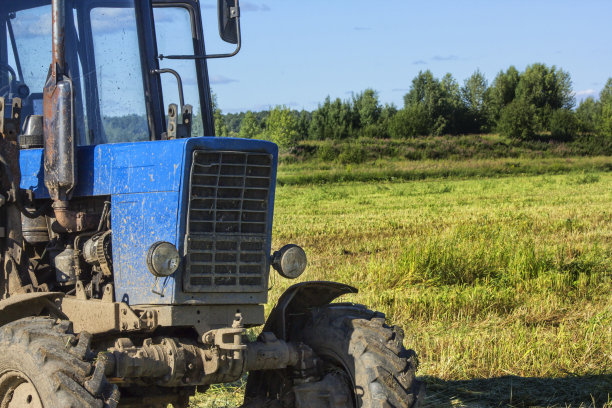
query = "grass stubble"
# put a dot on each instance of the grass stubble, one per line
(503, 286)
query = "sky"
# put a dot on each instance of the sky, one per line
(295, 53)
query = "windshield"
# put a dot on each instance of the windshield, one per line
(102, 51)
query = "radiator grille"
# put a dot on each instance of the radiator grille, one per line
(227, 224)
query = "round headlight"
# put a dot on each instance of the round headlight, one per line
(163, 259)
(290, 261)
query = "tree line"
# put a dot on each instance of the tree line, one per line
(537, 101)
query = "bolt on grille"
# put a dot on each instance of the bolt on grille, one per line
(227, 222)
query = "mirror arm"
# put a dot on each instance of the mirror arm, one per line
(211, 56)
(178, 80)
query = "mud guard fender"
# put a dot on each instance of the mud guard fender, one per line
(299, 298)
(24, 305)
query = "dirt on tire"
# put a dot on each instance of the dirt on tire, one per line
(58, 364)
(383, 372)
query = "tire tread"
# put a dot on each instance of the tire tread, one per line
(64, 359)
(377, 350)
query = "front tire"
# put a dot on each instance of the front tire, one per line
(364, 358)
(44, 365)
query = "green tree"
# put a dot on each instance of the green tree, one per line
(220, 126)
(424, 88)
(474, 97)
(387, 114)
(304, 118)
(440, 100)
(518, 120)
(333, 120)
(218, 119)
(367, 107)
(282, 127)
(605, 117)
(197, 123)
(502, 92)
(547, 89)
(411, 121)
(451, 107)
(588, 114)
(249, 126)
(563, 124)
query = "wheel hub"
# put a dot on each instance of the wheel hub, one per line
(16, 391)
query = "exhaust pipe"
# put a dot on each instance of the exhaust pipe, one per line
(60, 145)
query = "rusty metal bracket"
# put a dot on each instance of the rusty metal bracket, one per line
(149, 318)
(172, 121)
(179, 129)
(220, 339)
(130, 320)
(10, 126)
(228, 339)
(185, 127)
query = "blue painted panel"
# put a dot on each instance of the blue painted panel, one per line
(140, 220)
(122, 168)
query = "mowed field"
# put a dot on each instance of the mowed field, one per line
(503, 285)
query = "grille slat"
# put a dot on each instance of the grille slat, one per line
(227, 224)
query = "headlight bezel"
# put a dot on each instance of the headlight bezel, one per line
(163, 259)
(290, 261)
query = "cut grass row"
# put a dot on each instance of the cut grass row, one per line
(502, 285)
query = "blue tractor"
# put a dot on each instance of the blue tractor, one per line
(135, 253)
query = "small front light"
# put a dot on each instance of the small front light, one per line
(290, 261)
(163, 259)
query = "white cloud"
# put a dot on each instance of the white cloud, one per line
(445, 58)
(586, 92)
(248, 6)
(104, 20)
(107, 20)
(28, 26)
(220, 79)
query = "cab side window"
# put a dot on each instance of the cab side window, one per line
(173, 29)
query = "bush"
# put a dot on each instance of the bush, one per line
(563, 124)
(352, 154)
(518, 120)
(605, 122)
(326, 152)
(587, 115)
(374, 131)
(410, 122)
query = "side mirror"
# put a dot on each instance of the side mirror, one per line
(229, 21)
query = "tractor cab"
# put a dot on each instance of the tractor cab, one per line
(123, 88)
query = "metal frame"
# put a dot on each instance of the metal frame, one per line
(148, 50)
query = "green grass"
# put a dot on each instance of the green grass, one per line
(502, 284)
(314, 172)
